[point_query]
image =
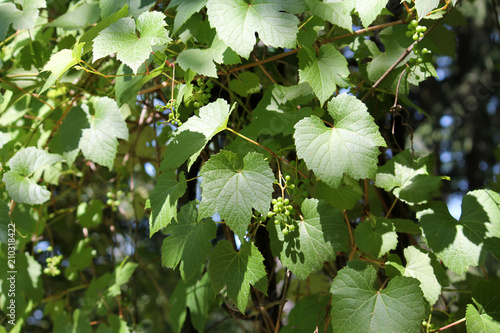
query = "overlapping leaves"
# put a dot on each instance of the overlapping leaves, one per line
(318, 237)
(465, 242)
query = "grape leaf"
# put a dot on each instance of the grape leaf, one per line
(19, 185)
(203, 61)
(368, 10)
(123, 272)
(418, 266)
(424, 7)
(306, 314)
(60, 62)
(376, 236)
(163, 200)
(232, 188)
(90, 214)
(189, 241)
(78, 17)
(359, 307)
(185, 10)
(350, 147)
(487, 318)
(247, 83)
(316, 239)
(192, 136)
(344, 197)
(20, 19)
(336, 12)
(236, 271)
(408, 178)
(99, 142)
(271, 19)
(4, 222)
(464, 242)
(323, 73)
(136, 7)
(121, 38)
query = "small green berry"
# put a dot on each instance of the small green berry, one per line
(280, 199)
(285, 231)
(409, 34)
(276, 209)
(287, 178)
(292, 227)
(276, 222)
(109, 195)
(270, 214)
(289, 207)
(287, 212)
(286, 201)
(274, 202)
(420, 28)
(49, 248)
(415, 37)
(291, 186)
(109, 202)
(119, 193)
(414, 23)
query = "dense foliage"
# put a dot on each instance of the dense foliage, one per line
(231, 165)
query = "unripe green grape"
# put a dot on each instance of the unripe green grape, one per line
(46, 270)
(208, 95)
(280, 199)
(276, 222)
(292, 227)
(279, 204)
(425, 51)
(276, 209)
(196, 104)
(291, 186)
(415, 37)
(419, 60)
(424, 28)
(109, 202)
(287, 212)
(117, 202)
(179, 123)
(49, 248)
(274, 202)
(416, 51)
(285, 231)
(414, 23)
(409, 33)
(119, 193)
(410, 27)
(109, 195)
(286, 201)
(287, 178)
(199, 81)
(270, 214)
(210, 85)
(420, 28)
(289, 207)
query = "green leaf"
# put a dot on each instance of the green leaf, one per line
(271, 19)
(58, 64)
(486, 295)
(316, 239)
(418, 266)
(464, 242)
(121, 38)
(185, 10)
(163, 200)
(368, 10)
(192, 136)
(123, 272)
(136, 7)
(80, 259)
(99, 142)
(232, 187)
(236, 271)
(306, 315)
(323, 73)
(189, 241)
(79, 17)
(66, 141)
(23, 165)
(409, 179)
(203, 61)
(350, 147)
(90, 214)
(344, 197)
(128, 85)
(20, 20)
(357, 306)
(336, 12)
(376, 236)
(424, 7)
(247, 83)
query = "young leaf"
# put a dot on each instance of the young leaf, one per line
(232, 188)
(185, 10)
(359, 307)
(189, 241)
(318, 237)
(418, 266)
(121, 38)
(376, 236)
(322, 73)
(19, 185)
(336, 12)
(192, 136)
(486, 319)
(424, 7)
(368, 10)
(350, 147)
(99, 142)
(271, 19)
(410, 179)
(59, 63)
(123, 273)
(20, 20)
(464, 242)
(236, 271)
(163, 200)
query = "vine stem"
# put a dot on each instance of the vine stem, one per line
(283, 300)
(261, 146)
(390, 209)
(450, 325)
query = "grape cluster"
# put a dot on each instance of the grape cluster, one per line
(173, 115)
(113, 199)
(52, 263)
(201, 93)
(416, 31)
